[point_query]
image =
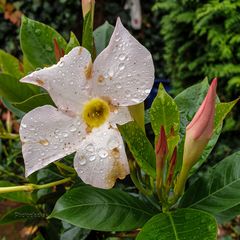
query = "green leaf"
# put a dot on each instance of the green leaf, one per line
(37, 42)
(12, 90)
(102, 36)
(189, 101)
(183, 224)
(139, 146)
(137, 113)
(216, 190)
(23, 197)
(228, 215)
(164, 112)
(22, 213)
(73, 42)
(34, 101)
(14, 110)
(87, 37)
(10, 65)
(103, 210)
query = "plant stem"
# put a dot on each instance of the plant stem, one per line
(65, 167)
(31, 187)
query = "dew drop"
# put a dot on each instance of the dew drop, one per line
(118, 85)
(73, 129)
(110, 72)
(82, 161)
(65, 135)
(90, 148)
(147, 91)
(92, 158)
(23, 125)
(61, 64)
(121, 66)
(38, 32)
(42, 154)
(122, 57)
(102, 153)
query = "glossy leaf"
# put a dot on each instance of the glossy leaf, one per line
(37, 42)
(23, 197)
(87, 37)
(73, 42)
(12, 90)
(99, 209)
(33, 102)
(137, 113)
(228, 215)
(216, 190)
(10, 65)
(102, 36)
(164, 112)
(183, 224)
(139, 146)
(14, 110)
(22, 213)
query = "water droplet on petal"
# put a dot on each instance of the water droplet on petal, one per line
(42, 154)
(90, 148)
(122, 56)
(23, 125)
(61, 64)
(92, 158)
(65, 135)
(73, 129)
(147, 91)
(102, 153)
(82, 161)
(121, 66)
(118, 85)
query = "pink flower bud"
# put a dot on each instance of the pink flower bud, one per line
(87, 5)
(200, 129)
(161, 146)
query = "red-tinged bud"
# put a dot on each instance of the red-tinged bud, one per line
(200, 129)
(161, 146)
(173, 162)
(20, 67)
(57, 50)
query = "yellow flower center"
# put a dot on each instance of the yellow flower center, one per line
(95, 112)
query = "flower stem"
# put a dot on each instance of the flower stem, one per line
(31, 187)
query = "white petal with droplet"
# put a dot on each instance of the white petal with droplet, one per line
(128, 65)
(66, 81)
(54, 138)
(109, 161)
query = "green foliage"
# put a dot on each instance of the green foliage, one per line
(73, 42)
(201, 39)
(37, 42)
(180, 225)
(220, 182)
(139, 146)
(22, 213)
(104, 210)
(102, 36)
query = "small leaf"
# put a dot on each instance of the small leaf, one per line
(12, 90)
(73, 42)
(23, 197)
(87, 37)
(14, 110)
(182, 224)
(137, 113)
(34, 102)
(102, 36)
(22, 213)
(216, 190)
(139, 146)
(37, 42)
(103, 210)
(164, 112)
(10, 65)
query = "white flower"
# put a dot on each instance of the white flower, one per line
(91, 99)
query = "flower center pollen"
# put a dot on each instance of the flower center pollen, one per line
(95, 112)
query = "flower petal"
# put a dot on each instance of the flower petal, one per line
(67, 81)
(119, 116)
(48, 135)
(124, 70)
(101, 158)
